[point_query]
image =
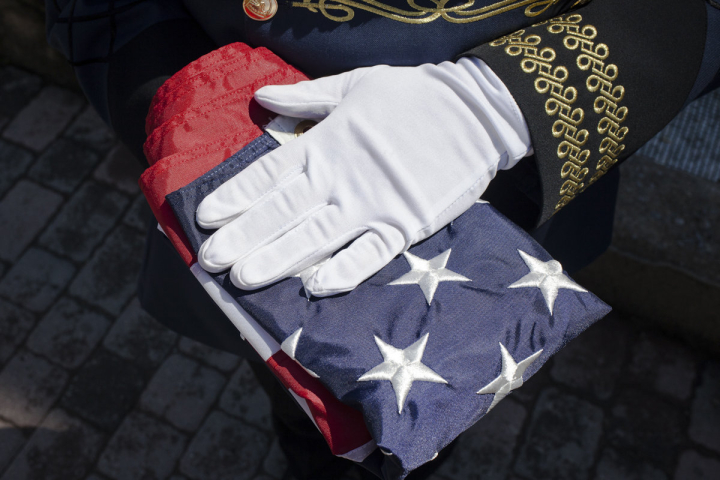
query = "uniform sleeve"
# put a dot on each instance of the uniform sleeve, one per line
(122, 51)
(89, 32)
(596, 83)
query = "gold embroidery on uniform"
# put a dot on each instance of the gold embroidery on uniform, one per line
(550, 81)
(592, 58)
(344, 10)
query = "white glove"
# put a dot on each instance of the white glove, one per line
(403, 152)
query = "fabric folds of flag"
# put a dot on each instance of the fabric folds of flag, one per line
(185, 140)
(413, 356)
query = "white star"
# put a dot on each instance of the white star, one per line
(428, 274)
(510, 377)
(402, 368)
(305, 275)
(547, 276)
(289, 346)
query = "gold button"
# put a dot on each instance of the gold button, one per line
(260, 10)
(303, 127)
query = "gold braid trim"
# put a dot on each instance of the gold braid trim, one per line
(344, 10)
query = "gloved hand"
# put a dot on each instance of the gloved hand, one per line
(403, 151)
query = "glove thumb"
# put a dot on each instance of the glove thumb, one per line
(312, 99)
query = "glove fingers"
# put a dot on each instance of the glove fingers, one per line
(260, 225)
(350, 267)
(257, 181)
(313, 99)
(305, 245)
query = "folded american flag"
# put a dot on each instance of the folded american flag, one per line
(429, 344)
(423, 349)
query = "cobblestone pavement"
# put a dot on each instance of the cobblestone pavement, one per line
(92, 388)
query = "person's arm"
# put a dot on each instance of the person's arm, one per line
(405, 150)
(597, 83)
(123, 52)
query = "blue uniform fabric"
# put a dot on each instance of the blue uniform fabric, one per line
(347, 35)
(466, 323)
(89, 32)
(317, 41)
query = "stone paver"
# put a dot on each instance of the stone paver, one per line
(669, 217)
(693, 466)
(615, 465)
(182, 392)
(62, 448)
(244, 398)
(138, 337)
(42, 120)
(644, 425)
(120, 169)
(14, 161)
(485, 451)
(36, 279)
(562, 438)
(23, 213)
(217, 358)
(15, 323)
(29, 385)
(68, 333)
(11, 441)
(89, 129)
(705, 417)
(84, 220)
(64, 165)
(17, 88)
(663, 366)
(109, 279)
(224, 449)
(588, 364)
(142, 448)
(104, 390)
